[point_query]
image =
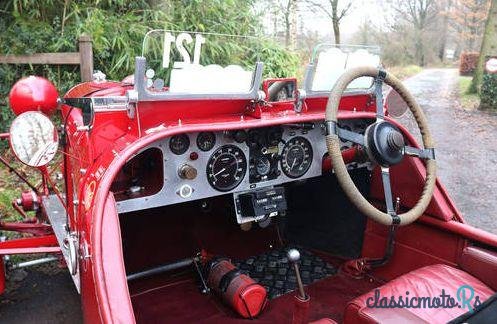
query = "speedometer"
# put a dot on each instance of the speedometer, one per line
(226, 168)
(296, 157)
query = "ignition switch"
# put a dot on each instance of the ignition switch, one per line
(187, 172)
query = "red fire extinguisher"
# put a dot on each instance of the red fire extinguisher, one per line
(242, 293)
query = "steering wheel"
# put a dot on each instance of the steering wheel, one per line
(384, 144)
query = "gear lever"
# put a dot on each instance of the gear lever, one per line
(302, 300)
(293, 256)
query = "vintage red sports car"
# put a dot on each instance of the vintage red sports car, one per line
(197, 192)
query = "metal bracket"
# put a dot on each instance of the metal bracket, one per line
(395, 219)
(382, 74)
(85, 255)
(132, 96)
(331, 127)
(299, 100)
(71, 243)
(131, 110)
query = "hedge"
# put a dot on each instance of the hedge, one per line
(488, 94)
(468, 63)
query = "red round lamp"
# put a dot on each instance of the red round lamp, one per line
(33, 93)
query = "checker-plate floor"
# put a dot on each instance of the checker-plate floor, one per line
(274, 272)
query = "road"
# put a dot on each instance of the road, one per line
(41, 295)
(467, 159)
(466, 145)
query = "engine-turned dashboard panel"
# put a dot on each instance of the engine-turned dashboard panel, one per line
(206, 164)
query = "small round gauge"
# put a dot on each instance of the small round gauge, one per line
(296, 157)
(179, 144)
(226, 168)
(262, 166)
(206, 141)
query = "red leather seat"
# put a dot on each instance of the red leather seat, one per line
(424, 282)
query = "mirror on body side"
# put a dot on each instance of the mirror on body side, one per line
(396, 106)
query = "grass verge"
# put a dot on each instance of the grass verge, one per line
(468, 100)
(11, 186)
(403, 72)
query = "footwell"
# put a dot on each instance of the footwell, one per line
(274, 272)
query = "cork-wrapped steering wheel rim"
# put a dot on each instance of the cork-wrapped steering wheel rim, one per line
(376, 145)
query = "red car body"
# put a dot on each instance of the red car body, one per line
(93, 158)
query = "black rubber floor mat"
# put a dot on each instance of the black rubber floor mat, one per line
(274, 272)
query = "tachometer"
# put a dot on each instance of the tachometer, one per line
(296, 157)
(226, 168)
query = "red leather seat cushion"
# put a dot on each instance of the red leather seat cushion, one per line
(424, 282)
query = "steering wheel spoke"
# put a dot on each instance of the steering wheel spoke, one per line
(378, 92)
(425, 154)
(344, 134)
(350, 136)
(387, 188)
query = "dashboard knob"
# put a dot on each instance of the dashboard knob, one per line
(185, 191)
(187, 172)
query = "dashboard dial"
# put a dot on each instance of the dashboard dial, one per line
(226, 168)
(179, 144)
(263, 166)
(206, 141)
(296, 157)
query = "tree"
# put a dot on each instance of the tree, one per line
(365, 34)
(34, 26)
(467, 19)
(488, 45)
(419, 14)
(335, 10)
(284, 11)
(447, 8)
(290, 14)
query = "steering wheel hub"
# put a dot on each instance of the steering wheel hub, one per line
(384, 143)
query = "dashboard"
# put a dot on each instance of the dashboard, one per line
(192, 166)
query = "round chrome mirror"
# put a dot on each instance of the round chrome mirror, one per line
(396, 106)
(33, 139)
